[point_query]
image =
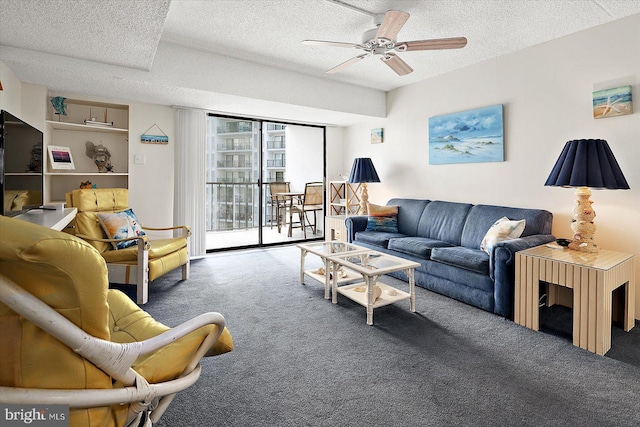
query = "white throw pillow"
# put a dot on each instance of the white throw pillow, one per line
(502, 229)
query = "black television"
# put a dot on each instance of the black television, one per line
(21, 165)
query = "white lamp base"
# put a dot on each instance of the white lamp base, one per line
(582, 223)
(364, 199)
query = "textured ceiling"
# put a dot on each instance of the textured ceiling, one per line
(114, 48)
(271, 31)
(124, 33)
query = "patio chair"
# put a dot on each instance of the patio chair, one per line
(132, 257)
(277, 202)
(69, 340)
(311, 202)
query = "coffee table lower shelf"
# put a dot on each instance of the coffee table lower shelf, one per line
(386, 298)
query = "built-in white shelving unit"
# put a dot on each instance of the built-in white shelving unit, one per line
(71, 131)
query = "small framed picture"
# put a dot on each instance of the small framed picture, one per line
(377, 136)
(60, 158)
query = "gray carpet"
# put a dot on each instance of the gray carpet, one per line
(302, 361)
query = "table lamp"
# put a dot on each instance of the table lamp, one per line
(586, 164)
(362, 172)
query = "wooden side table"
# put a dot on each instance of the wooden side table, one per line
(593, 278)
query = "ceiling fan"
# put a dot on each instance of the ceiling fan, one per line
(381, 42)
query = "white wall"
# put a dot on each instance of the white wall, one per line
(546, 91)
(335, 153)
(304, 155)
(151, 183)
(11, 93)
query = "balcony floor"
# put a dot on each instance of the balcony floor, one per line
(217, 240)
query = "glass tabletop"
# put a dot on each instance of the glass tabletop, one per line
(331, 248)
(372, 261)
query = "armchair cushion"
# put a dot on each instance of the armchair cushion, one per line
(128, 323)
(70, 276)
(91, 201)
(158, 248)
(121, 225)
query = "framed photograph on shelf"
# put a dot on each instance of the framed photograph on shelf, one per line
(60, 158)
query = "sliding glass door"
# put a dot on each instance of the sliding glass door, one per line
(256, 176)
(293, 156)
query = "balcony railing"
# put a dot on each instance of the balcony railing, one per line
(276, 163)
(236, 146)
(232, 127)
(275, 126)
(231, 206)
(276, 145)
(234, 163)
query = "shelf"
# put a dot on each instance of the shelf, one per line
(351, 276)
(23, 174)
(343, 198)
(83, 127)
(74, 132)
(86, 173)
(384, 299)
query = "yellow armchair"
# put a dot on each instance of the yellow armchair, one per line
(68, 339)
(139, 264)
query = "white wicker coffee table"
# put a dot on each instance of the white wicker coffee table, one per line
(371, 265)
(325, 250)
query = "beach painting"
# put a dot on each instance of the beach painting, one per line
(471, 136)
(612, 102)
(377, 136)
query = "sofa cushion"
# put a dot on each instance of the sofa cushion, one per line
(409, 213)
(502, 229)
(382, 218)
(443, 221)
(416, 246)
(481, 217)
(458, 256)
(376, 238)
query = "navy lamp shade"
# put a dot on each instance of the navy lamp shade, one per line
(586, 164)
(362, 172)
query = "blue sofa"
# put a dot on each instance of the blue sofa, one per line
(445, 238)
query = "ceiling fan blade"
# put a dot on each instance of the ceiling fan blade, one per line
(391, 25)
(346, 64)
(396, 64)
(329, 43)
(435, 44)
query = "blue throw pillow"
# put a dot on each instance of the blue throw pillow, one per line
(382, 218)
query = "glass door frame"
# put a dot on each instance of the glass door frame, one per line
(261, 184)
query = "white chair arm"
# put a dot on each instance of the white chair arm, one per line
(91, 398)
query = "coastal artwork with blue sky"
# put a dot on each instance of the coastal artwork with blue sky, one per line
(472, 136)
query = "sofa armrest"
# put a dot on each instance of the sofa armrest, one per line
(502, 269)
(355, 224)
